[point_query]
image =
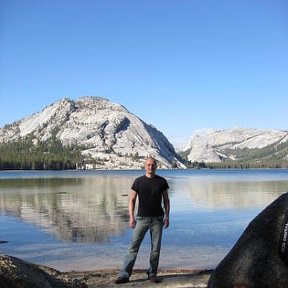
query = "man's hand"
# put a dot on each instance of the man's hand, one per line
(132, 223)
(166, 223)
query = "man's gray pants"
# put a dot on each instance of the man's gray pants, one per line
(155, 225)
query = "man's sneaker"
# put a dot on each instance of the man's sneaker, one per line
(120, 280)
(154, 279)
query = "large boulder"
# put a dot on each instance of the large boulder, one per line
(16, 273)
(256, 260)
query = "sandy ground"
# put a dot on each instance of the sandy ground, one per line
(168, 278)
(15, 272)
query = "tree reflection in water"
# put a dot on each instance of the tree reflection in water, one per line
(74, 209)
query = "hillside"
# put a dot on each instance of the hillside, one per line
(239, 145)
(106, 134)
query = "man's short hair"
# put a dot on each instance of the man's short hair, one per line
(151, 158)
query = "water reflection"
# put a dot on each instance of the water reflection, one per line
(232, 194)
(92, 209)
(76, 209)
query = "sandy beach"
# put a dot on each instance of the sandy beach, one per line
(17, 273)
(168, 278)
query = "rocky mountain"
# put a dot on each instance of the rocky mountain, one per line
(109, 135)
(236, 144)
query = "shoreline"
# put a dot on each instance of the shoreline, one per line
(18, 273)
(170, 278)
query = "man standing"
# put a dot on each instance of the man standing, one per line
(150, 189)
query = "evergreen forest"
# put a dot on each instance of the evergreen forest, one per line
(50, 155)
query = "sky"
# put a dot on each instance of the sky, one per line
(179, 65)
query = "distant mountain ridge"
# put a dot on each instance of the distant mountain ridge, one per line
(110, 136)
(238, 144)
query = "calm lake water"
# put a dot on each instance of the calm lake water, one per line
(78, 220)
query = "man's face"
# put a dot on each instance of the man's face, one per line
(150, 166)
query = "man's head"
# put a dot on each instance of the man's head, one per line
(150, 166)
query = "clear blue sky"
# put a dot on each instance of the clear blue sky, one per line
(179, 65)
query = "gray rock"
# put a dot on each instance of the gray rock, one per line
(254, 261)
(16, 273)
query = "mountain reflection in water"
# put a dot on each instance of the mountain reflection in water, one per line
(74, 209)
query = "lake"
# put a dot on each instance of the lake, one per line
(78, 220)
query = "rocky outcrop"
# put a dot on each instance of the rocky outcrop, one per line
(108, 135)
(17, 273)
(217, 145)
(254, 261)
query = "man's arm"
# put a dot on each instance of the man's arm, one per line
(132, 201)
(166, 208)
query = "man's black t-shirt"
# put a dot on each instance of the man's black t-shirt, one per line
(150, 192)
